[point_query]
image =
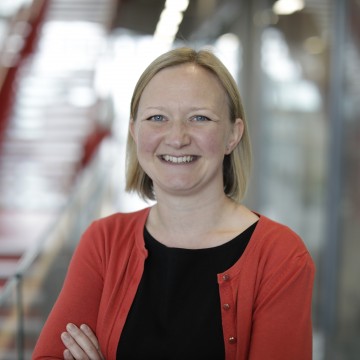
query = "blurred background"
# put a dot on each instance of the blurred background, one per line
(67, 71)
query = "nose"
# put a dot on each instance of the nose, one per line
(178, 135)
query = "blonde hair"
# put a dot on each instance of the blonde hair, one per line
(236, 166)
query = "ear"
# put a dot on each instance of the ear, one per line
(235, 135)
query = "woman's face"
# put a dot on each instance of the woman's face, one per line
(182, 131)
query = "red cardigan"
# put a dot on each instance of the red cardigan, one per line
(266, 296)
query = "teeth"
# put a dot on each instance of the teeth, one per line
(178, 160)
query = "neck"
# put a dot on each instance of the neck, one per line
(183, 221)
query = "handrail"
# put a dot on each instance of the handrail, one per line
(90, 187)
(28, 258)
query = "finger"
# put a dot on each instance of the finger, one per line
(67, 355)
(90, 334)
(72, 347)
(80, 345)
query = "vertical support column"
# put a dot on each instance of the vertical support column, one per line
(252, 91)
(20, 336)
(332, 247)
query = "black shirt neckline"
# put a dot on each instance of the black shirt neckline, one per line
(176, 313)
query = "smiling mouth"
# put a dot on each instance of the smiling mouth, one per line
(178, 159)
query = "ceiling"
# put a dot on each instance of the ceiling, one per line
(207, 19)
(211, 18)
(142, 16)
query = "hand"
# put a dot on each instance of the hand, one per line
(81, 343)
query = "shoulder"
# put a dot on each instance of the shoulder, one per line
(121, 221)
(115, 229)
(281, 256)
(270, 233)
(275, 245)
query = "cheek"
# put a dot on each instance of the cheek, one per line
(214, 143)
(146, 139)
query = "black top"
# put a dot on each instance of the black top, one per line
(176, 312)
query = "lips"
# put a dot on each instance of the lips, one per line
(178, 159)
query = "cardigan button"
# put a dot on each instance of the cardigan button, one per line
(226, 306)
(232, 340)
(226, 277)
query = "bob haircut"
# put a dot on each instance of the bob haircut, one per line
(236, 166)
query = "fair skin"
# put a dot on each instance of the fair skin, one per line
(182, 133)
(183, 114)
(80, 343)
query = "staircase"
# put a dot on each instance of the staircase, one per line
(51, 121)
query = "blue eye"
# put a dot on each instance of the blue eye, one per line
(201, 118)
(156, 118)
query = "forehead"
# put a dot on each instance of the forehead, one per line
(185, 79)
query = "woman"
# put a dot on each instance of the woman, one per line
(197, 275)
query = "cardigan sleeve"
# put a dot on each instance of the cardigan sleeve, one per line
(79, 298)
(281, 327)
